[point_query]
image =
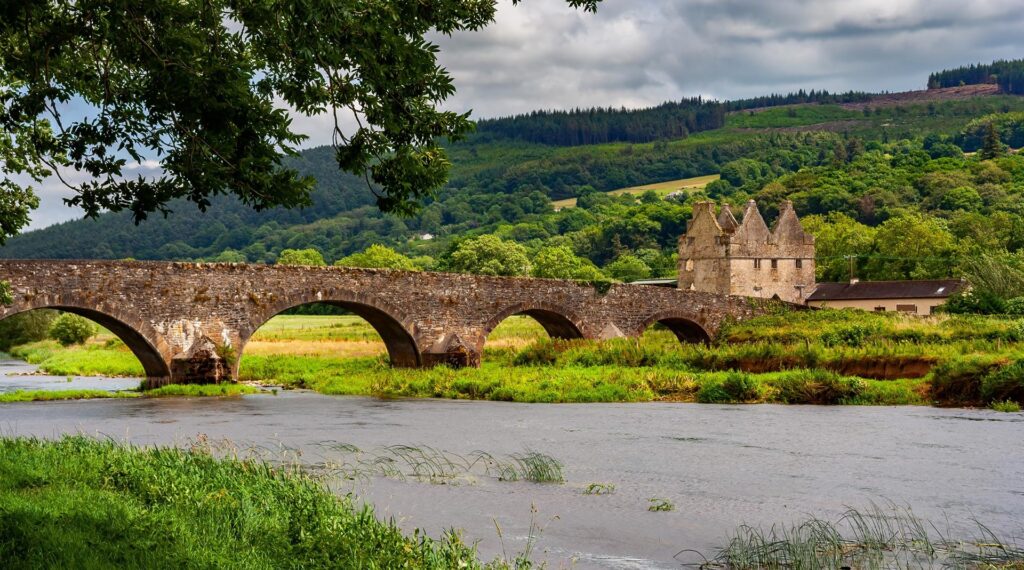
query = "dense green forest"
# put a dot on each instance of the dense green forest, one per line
(800, 97)
(672, 120)
(1008, 74)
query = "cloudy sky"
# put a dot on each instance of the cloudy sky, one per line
(543, 54)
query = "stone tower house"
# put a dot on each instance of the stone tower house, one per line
(720, 255)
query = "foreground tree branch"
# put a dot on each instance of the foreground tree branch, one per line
(199, 85)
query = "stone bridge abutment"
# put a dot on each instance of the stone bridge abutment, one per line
(190, 322)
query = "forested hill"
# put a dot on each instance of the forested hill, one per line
(1007, 74)
(673, 120)
(505, 185)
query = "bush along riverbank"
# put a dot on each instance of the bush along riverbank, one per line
(806, 357)
(80, 503)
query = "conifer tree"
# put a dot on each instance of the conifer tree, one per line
(992, 147)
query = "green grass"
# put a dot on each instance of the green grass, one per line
(656, 505)
(111, 359)
(80, 503)
(424, 463)
(869, 539)
(599, 489)
(1008, 406)
(50, 395)
(202, 390)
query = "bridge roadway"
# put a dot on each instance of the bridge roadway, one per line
(190, 322)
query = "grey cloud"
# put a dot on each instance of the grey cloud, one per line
(543, 54)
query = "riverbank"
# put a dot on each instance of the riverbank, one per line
(809, 357)
(81, 503)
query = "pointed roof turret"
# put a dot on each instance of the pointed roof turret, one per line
(788, 230)
(753, 229)
(726, 220)
(702, 224)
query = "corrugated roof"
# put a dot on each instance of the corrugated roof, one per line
(930, 289)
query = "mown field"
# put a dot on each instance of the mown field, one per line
(820, 357)
(660, 188)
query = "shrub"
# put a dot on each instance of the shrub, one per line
(742, 387)
(818, 387)
(1005, 406)
(957, 382)
(736, 387)
(1015, 306)
(854, 335)
(69, 329)
(713, 393)
(6, 295)
(540, 353)
(1006, 383)
(24, 328)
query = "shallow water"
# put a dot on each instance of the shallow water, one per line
(18, 375)
(720, 465)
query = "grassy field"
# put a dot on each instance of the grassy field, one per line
(661, 188)
(819, 357)
(80, 503)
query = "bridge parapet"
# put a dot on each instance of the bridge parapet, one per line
(190, 322)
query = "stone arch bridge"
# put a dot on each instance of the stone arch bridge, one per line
(190, 322)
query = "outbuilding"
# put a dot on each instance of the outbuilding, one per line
(912, 297)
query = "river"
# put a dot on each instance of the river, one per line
(721, 466)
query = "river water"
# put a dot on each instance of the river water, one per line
(721, 466)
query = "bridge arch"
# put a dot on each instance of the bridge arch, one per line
(395, 331)
(687, 328)
(558, 322)
(145, 343)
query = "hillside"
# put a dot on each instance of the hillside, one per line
(503, 184)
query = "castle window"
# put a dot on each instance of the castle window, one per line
(689, 241)
(757, 264)
(799, 264)
(689, 265)
(775, 264)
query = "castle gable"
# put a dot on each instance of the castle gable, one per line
(753, 230)
(788, 230)
(726, 220)
(703, 227)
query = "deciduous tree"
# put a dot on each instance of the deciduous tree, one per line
(378, 257)
(200, 85)
(301, 257)
(490, 255)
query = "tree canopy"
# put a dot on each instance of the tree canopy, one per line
(199, 86)
(301, 257)
(378, 257)
(490, 255)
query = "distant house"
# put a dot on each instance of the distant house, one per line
(913, 297)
